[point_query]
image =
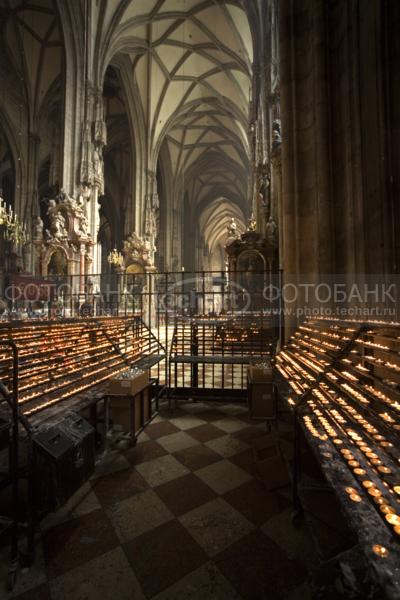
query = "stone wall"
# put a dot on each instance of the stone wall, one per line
(340, 109)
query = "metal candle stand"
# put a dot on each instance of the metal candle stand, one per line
(45, 386)
(13, 476)
(344, 408)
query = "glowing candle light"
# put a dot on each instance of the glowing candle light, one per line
(386, 509)
(380, 550)
(385, 470)
(392, 519)
(359, 471)
(355, 498)
(367, 484)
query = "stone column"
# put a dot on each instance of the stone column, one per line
(121, 287)
(27, 205)
(307, 217)
(82, 254)
(276, 195)
(149, 303)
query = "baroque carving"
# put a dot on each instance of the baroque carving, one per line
(57, 221)
(137, 250)
(68, 231)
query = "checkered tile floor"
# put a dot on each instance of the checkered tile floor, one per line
(179, 516)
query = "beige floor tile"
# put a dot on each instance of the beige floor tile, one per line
(216, 525)
(160, 470)
(177, 441)
(223, 476)
(229, 425)
(227, 446)
(136, 515)
(187, 422)
(107, 577)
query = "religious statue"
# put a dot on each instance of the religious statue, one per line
(78, 210)
(98, 162)
(100, 128)
(51, 206)
(61, 197)
(152, 216)
(84, 194)
(252, 224)
(156, 211)
(264, 192)
(57, 221)
(83, 223)
(232, 228)
(149, 251)
(276, 135)
(58, 226)
(155, 215)
(86, 169)
(37, 228)
(232, 232)
(100, 132)
(271, 229)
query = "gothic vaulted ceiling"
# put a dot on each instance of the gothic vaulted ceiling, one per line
(32, 45)
(191, 72)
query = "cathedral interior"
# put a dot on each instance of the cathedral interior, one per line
(199, 308)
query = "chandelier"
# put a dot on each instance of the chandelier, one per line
(115, 258)
(13, 230)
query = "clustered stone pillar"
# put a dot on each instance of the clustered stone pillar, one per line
(339, 93)
(94, 138)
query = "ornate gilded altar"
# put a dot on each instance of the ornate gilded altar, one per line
(251, 259)
(66, 247)
(138, 255)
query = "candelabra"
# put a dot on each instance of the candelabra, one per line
(115, 258)
(13, 230)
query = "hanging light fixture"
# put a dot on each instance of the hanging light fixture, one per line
(115, 258)
(13, 230)
(11, 227)
(5, 214)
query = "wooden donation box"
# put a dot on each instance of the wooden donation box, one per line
(260, 391)
(130, 399)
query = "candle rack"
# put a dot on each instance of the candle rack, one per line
(343, 385)
(60, 361)
(54, 367)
